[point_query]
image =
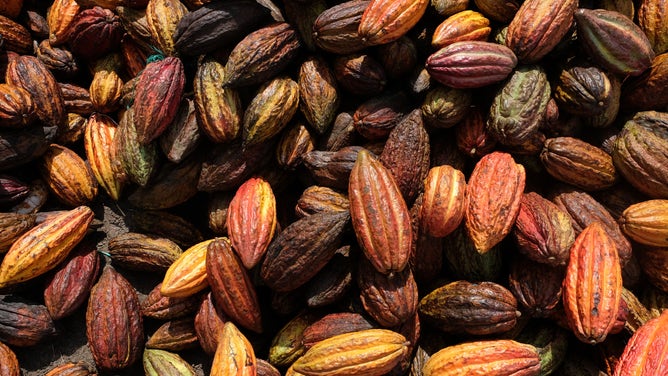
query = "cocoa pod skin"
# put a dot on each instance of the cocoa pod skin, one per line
(113, 322)
(643, 354)
(17, 108)
(24, 323)
(9, 365)
(335, 29)
(209, 322)
(537, 287)
(174, 335)
(335, 324)
(135, 251)
(158, 306)
(234, 355)
(384, 22)
(442, 208)
(94, 32)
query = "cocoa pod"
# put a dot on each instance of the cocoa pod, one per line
(101, 152)
(13, 225)
(464, 260)
(106, 87)
(234, 354)
(645, 222)
(17, 108)
(182, 137)
(77, 99)
(15, 36)
(21, 146)
(209, 324)
(334, 324)
(71, 369)
(270, 110)
(642, 354)
(166, 225)
(9, 365)
(24, 323)
(59, 17)
(360, 74)
(332, 282)
(113, 322)
(136, 251)
(384, 21)
(94, 32)
(69, 178)
(375, 118)
(648, 91)
(653, 20)
(293, 145)
(59, 61)
(158, 306)
(335, 29)
(162, 19)
(175, 335)
(444, 107)
(442, 208)
(160, 362)
(537, 287)
(287, 346)
(462, 26)
(187, 275)
(318, 95)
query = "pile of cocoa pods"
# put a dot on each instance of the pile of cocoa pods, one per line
(334, 188)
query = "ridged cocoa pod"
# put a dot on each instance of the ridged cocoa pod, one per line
(373, 352)
(462, 26)
(341, 134)
(406, 155)
(134, 56)
(586, 91)
(59, 61)
(13, 225)
(543, 231)
(174, 184)
(442, 208)
(537, 287)
(498, 357)
(219, 109)
(251, 220)
(59, 17)
(293, 145)
(15, 36)
(653, 20)
(643, 353)
(113, 322)
(44, 246)
(30, 74)
(474, 308)
(158, 306)
(519, 107)
(71, 369)
(234, 355)
(444, 107)
(649, 91)
(94, 32)
(157, 98)
(135, 24)
(166, 225)
(136, 251)
(497, 11)
(20, 146)
(538, 27)
(274, 48)
(17, 108)
(332, 282)
(270, 110)
(602, 30)
(383, 232)
(287, 345)
(334, 324)
(585, 210)
(73, 131)
(174, 335)
(183, 136)
(319, 99)
(331, 168)
(576, 162)
(360, 74)
(77, 99)
(398, 58)
(9, 365)
(209, 323)
(69, 178)
(471, 64)
(187, 275)
(464, 261)
(302, 249)
(24, 323)
(335, 29)
(389, 299)
(105, 89)
(139, 162)
(227, 168)
(493, 197)
(316, 199)
(593, 285)
(102, 154)
(645, 222)
(302, 16)
(375, 118)
(231, 286)
(384, 22)
(217, 25)
(264, 368)
(160, 362)
(70, 286)
(639, 153)
(162, 18)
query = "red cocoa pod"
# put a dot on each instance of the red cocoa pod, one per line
(94, 32)
(158, 306)
(644, 354)
(335, 324)
(209, 323)
(114, 322)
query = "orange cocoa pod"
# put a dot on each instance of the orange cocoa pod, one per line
(462, 26)
(59, 17)
(385, 21)
(100, 150)
(187, 275)
(644, 354)
(68, 176)
(592, 287)
(234, 354)
(442, 208)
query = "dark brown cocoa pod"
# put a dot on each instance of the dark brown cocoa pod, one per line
(226, 168)
(77, 99)
(318, 93)
(332, 168)
(183, 136)
(398, 57)
(58, 60)
(376, 118)
(29, 73)
(231, 287)
(36, 23)
(444, 151)
(474, 308)
(209, 322)
(70, 286)
(94, 32)
(649, 91)
(12, 190)
(302, 249)
(335, 29)
(136, 251)
(619, 197)
(332, 282)
(406, 155)
(114, 322)
(341, 134)
(158, 306)
(585, 90)
(23, 323)
(15, 36)
(20, 146)
(134, 57)
(316, 199)
(216, 25)
(175, 335)
(335, 324)
(274, 48)
(360, 74)
(536, 286)
(473, 138)
(166, 225)
(294, 143)
(389, 299)
(219, 203)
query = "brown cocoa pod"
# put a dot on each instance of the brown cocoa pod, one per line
(73, 131)
(376, 118)
(332, 282)
(114, 322)
(593, 285)
(398, 58)
(9, 365)
(94, 32)
(653, 20)
(341, 134)
(13, 226)
(536, 286)
(501, 12)
(360, 74)
(59, 61)
(12, 190)
(11, 9)
(274, 46)
(474, 308)
(77, 99)
(302, 16)
(231, 286)
(158, 306)
(406, 155)
(335, 29)
(316, 199)
(70, 286)
(29, 73)
(18, 147)
(294, 143)
(17, 108)
(332, 168)
(227, 168)
(166, 225)
(334, 324)
(23, 323)
(472, 136)
(174, 184)
(15, 36)
(444, 107)
(319, 99)
(302, 249)
(141, 252)
(649, 91)
(175, 335)
(135, 23)
(586, 90)
(426, 259)
(389, 299)
(264, 368)
(209, 323)
(182, 137)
